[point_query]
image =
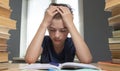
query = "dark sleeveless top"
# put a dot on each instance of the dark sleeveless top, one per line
(49, 55)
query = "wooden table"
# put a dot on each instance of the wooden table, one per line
(15, 67)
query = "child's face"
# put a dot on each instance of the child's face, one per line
(58, 32)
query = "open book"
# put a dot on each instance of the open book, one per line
(67, 65)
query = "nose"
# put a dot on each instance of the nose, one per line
(57, 34)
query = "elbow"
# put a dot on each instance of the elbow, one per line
(87, 60)
(30, 60)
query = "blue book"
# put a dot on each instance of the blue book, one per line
(74, 70)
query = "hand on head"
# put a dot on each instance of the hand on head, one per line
(63, 10)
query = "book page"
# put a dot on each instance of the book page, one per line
(37, 66)
(67, 65)
(78, 65)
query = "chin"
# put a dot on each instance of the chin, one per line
(57, 43)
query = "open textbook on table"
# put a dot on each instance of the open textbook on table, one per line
(63, 66)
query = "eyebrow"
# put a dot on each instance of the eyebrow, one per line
(59, 28)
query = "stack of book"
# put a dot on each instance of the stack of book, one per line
(6, 24)
(113, 6)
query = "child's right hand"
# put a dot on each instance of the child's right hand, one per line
(50, 12)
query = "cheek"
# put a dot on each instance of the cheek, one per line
(51, 34)
(65, 35)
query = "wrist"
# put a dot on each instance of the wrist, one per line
(70, 25)
(44, 24)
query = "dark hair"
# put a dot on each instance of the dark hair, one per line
(58, 15)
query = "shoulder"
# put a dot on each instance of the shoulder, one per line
(46, 41)
(46, 38)
(69, 40)
(69, 45)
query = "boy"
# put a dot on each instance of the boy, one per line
(57, 47)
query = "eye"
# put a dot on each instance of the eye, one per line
(51, 29)
(63, 30)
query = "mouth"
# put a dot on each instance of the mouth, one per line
(56, 40)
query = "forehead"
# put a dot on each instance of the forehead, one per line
(57, 23)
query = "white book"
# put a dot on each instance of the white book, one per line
(67, 65)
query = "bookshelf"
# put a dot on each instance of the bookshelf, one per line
(6, 24)
(113, 6)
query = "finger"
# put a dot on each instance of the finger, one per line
(52, 9)
(60, 10)
(55, 12)
(64, 9)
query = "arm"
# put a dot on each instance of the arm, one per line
(82, 51)
(35, 49)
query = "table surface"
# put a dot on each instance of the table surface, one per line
(15, 67)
